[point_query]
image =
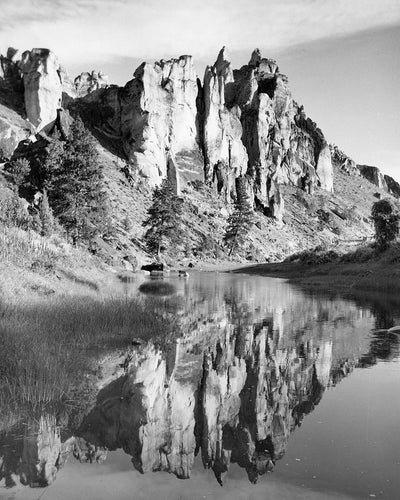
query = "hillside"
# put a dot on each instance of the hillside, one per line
(204, 136)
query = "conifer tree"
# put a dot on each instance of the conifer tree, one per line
(163, 218)
(47, 222)
(75, 185)
(19, 171)
(240, 220)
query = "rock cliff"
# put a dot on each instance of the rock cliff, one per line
(42, 86)
(166, 122)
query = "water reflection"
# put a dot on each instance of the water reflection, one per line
(255, 357)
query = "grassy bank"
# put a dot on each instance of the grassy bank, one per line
(49, 347)
(364, 269)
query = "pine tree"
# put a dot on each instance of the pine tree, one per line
(47, 222)
(240, 220)
(163, 218)
(19, 171)
(75, 185)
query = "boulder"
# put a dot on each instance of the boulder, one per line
(154, 266)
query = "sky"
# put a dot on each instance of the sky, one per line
(342, 57)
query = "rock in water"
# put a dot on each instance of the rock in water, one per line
(43, 86)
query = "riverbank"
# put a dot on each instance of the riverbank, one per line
(380, 273)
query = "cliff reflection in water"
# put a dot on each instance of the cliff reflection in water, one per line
(255, 357)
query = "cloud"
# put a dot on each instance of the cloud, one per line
(79, 31)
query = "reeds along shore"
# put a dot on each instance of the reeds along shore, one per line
(48, 347)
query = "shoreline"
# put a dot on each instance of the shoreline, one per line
(350, 277)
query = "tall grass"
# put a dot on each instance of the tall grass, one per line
(48, 348)
(22, 247)
(29, 250)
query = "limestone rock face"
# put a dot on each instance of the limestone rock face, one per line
(253, 127)
(393, 186)
(9, 72)
(13, 130)
(43, 86)
(225, 154)
(374, 175)
(241, 123)
(158, 118)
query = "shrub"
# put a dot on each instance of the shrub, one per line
(386, 221)
(361, 254)
(316, 255)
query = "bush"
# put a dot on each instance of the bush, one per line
(316, 255)
(386, 221)
(361, 254)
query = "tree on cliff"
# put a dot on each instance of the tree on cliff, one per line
(240, 220)
(163, 218)
(75, 185)
(386, 221)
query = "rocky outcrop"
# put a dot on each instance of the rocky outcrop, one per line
(86, 82)
(342, 161)
(253, 127)
(393, 186)
(10, 77)
(13, 130)
(236, 124)
(374, 175)
(43, 87)
(158, 119)
(385, 182)
(225, 154)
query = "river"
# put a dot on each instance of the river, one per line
(268, 391)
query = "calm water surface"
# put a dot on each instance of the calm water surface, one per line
(268, 391)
